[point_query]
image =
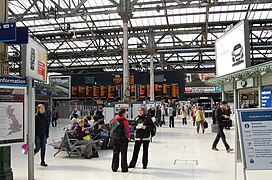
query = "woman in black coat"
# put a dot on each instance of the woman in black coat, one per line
(41, 132)
(142, 126)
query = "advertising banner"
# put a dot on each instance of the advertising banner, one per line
(36, 60)
(12, 110)
(255, 129)
(232, 49)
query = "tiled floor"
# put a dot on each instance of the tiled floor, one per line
(175, 153)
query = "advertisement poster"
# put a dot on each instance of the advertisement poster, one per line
(12, 114)
(255, 128)
(232, 49)
(62, 86)
(36, 61)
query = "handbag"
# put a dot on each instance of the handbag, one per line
(87, 138)
(206, 125)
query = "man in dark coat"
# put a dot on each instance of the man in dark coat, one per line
(220, 115)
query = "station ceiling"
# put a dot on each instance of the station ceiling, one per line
(84, 36)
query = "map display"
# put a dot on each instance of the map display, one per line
(12, 101)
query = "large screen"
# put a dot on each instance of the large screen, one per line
(232, 49)
(61, 86)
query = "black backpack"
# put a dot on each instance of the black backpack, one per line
(117, 130)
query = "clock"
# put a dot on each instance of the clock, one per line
(243, 83)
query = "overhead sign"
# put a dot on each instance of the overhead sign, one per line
(35, 64)
(255, 129)
(202, 90)
(266, 98)
(7, 32)
(232, 49)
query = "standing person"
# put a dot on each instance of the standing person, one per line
(158, 116)
(172, 114)
(200, 118)
(163, 114)
(183, 113)
(54, 117)
(219, 115)
(142, 126)
(120, 135)
(193, 115)
(41, 132)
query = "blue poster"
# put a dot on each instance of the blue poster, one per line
(266, 97)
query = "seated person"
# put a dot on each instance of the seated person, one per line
(79, 132)
(100, 129)
(86, 121)
(71, 126)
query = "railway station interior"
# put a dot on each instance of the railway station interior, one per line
(200, 69)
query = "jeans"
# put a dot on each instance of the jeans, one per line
(40, 144)
(106, 138)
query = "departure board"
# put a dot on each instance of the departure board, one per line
(89, 91)
(175, 90)
(167, 90)
(148, 90)
(132, 79)
(132, 91)
(81, 92)
(111, 92)
(96, 91)
(158, 91)
(74, 92)
(142, 92)
(103, 92)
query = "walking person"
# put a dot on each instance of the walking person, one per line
(41, 132)
(200, 118)
(158, 116)
(183, 114)
(193, 115)
(142, 126)
(120, 135)
(163, 114)
(219, 116)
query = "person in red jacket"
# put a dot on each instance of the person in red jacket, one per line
(120, 135)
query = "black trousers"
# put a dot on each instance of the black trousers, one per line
(136, 150)
(119, 146)
(171, 121)
(184, 121)
(220, 134)
(54, 122)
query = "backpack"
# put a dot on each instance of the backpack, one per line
(117, 129)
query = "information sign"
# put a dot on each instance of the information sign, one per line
(12, 110)
(266, 97)
(7, 32)
(255, 129)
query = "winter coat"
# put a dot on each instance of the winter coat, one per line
(41, 125)
(143, 134)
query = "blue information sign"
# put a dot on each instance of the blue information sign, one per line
(266, 97)
(7, 32)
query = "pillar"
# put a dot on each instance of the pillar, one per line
(125, 11)
(5, 153)
(151, 50)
